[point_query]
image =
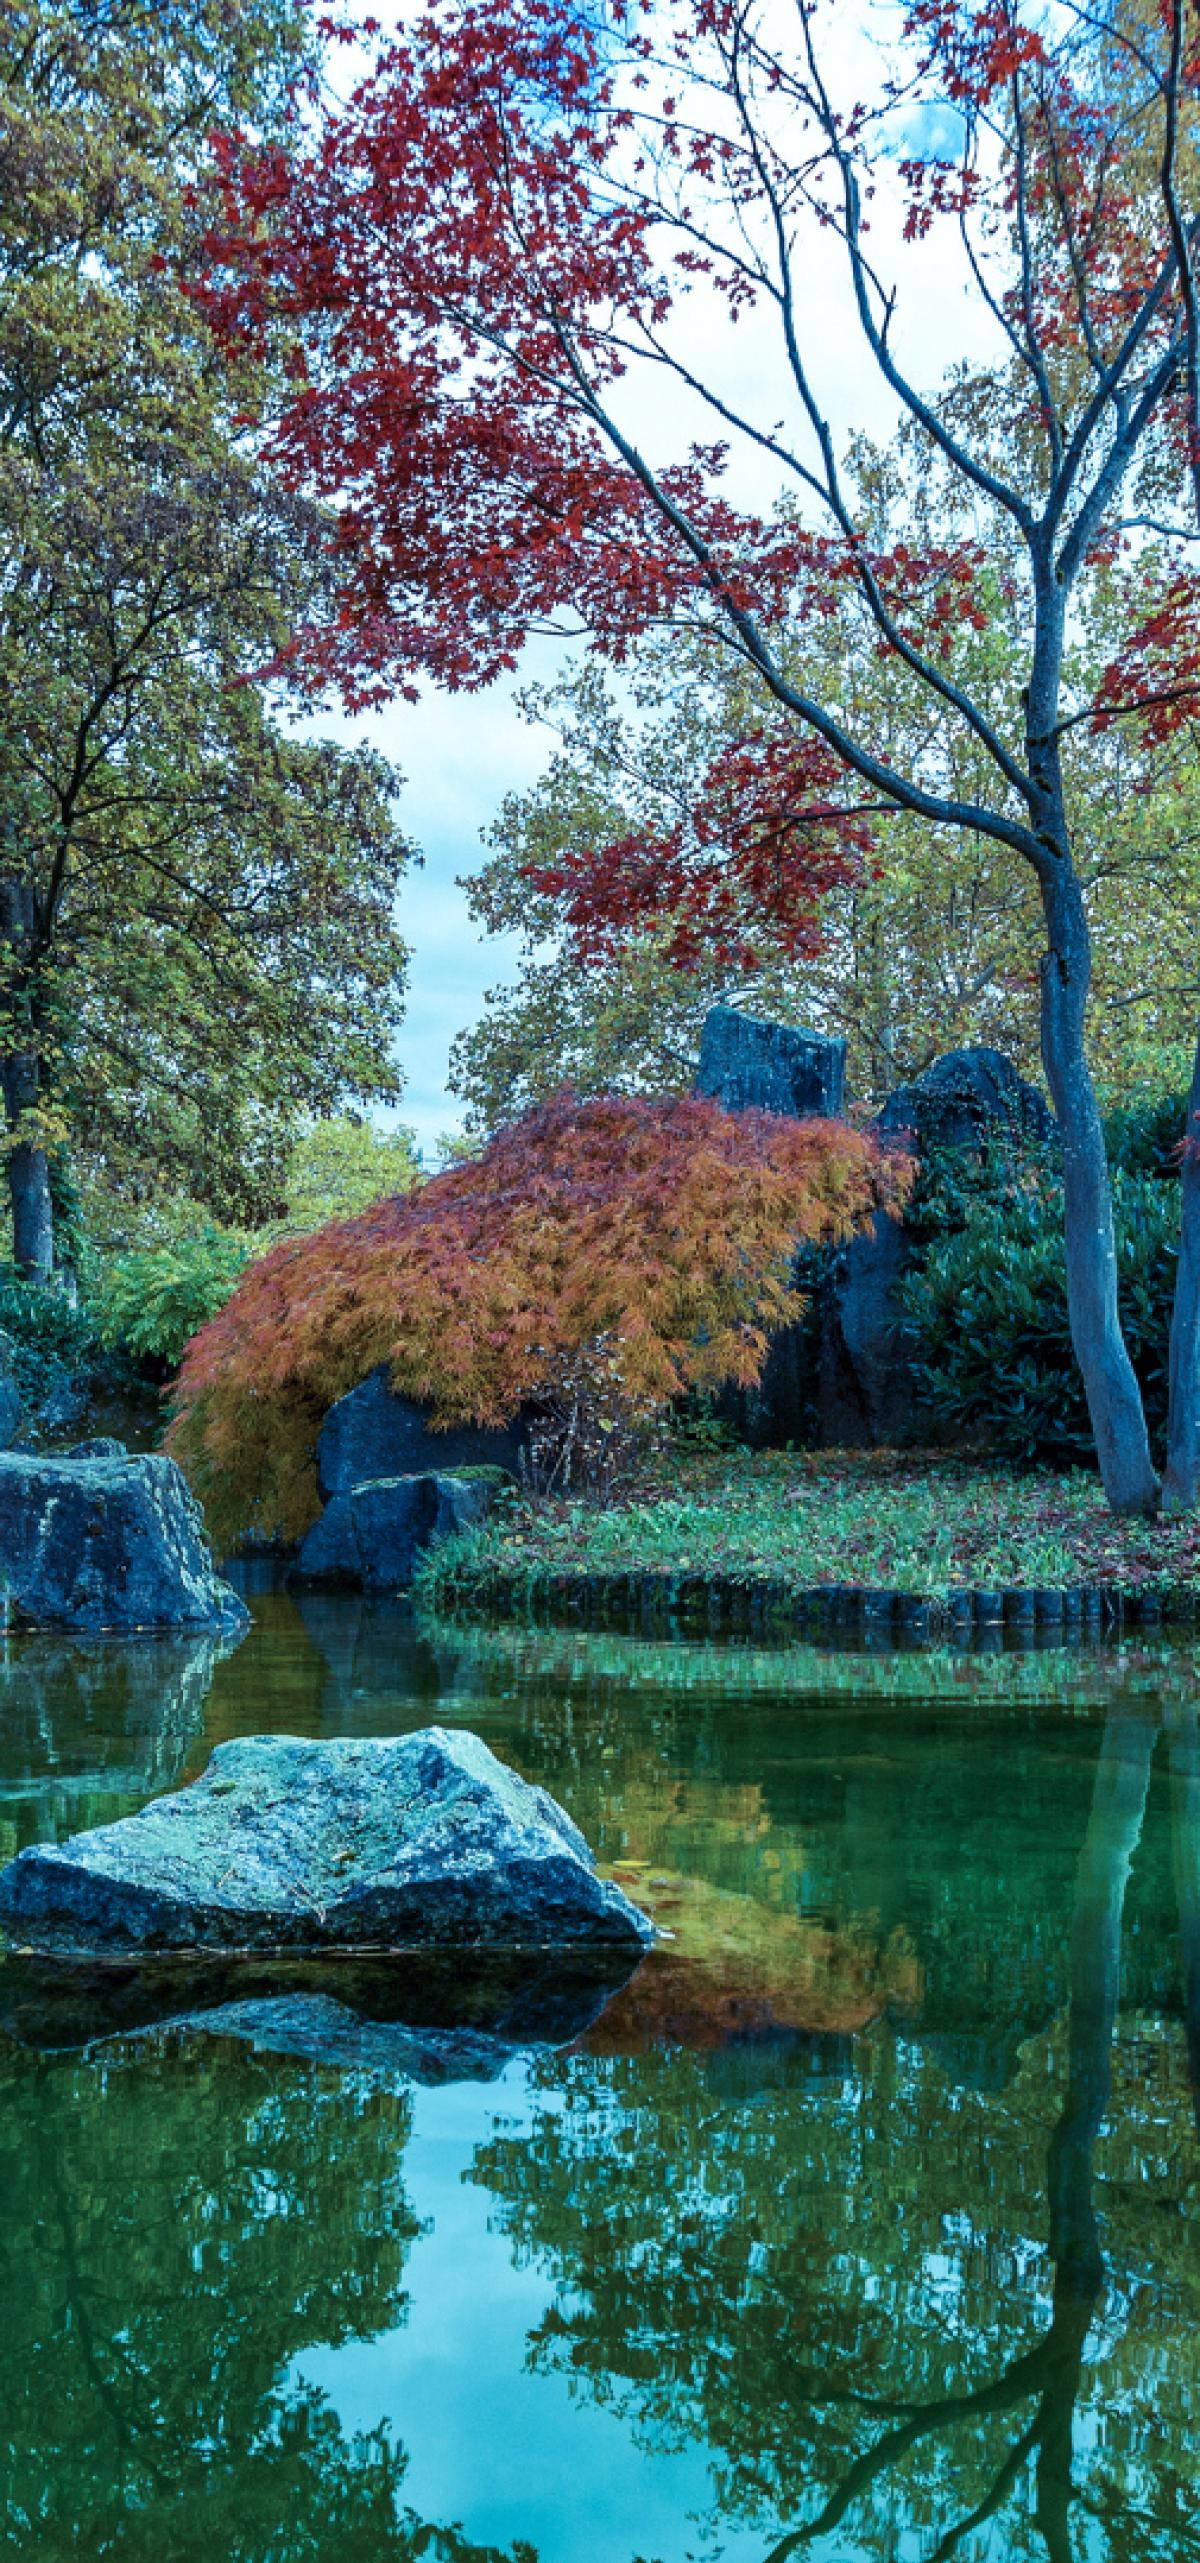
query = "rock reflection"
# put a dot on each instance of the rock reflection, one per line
(91, 1730)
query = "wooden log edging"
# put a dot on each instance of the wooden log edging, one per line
(1018, 1616)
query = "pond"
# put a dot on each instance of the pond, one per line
(861, 2223)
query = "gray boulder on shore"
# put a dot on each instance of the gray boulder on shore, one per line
(372, 1432)
(421, 1840)
(107, 1543)
(370, 1537)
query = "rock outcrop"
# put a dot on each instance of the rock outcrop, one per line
(373, 1433)
(971, 1099)
(370, 1537)
(107, 1543)
(745, 1063)
(414, 1841)
(851, 1379)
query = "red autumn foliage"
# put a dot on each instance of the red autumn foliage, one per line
(769, 836)
(654, 1237)
(476, 251)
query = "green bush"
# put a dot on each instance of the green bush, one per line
(150, 1301)
(1145, 1137)
(988, 1306)
(46, 1340)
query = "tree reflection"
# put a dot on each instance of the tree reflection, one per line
(190, 2218)
(829, 2273)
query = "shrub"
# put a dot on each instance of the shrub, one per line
(989, 1310)
(150, 1301)
(48, 1340)
(653, 1238)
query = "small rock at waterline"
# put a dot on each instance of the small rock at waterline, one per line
(422, 1840)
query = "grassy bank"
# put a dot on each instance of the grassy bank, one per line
(921, 1525)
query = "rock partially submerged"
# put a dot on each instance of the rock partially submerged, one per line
(422, 1840)
(370, 1537)
(107, 1543)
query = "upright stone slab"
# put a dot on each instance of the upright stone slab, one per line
(373, 1433)
(747, 1064)
(851, 1380)
(410, 1841)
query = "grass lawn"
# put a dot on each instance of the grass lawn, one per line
(915, 1522)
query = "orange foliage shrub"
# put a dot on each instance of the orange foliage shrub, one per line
(662, 1232)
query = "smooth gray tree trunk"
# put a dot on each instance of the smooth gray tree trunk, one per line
(1114, 1398)
(1181, 1478)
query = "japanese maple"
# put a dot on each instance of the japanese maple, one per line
(655, 1240)
(483, 260)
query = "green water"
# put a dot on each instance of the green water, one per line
(862, 2223)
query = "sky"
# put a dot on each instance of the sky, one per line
(461, 754)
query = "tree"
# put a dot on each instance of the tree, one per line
(651, 1243)
(341, 1166)
(196, 907)
(484, 254)
(917, 956)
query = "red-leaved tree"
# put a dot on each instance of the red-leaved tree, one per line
(648, 1244)
(489, 259)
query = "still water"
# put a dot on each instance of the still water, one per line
(862, 2223)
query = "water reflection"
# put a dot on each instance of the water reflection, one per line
(188, 2217)
(705, 2251)
(874, 2196)
(89, 1731)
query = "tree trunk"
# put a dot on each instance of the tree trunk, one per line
(1181, 1482)
(21, 1080)
(28, 1174)
(1114, 1398)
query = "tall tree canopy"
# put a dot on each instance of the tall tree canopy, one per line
(487, 255)
(197, 937)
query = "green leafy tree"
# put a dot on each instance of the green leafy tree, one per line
(197, 937)
(341, 1166)
(939, 946)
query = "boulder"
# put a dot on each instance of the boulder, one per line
(412, 1841)
(101, 1446)
(745, 1063)
(373, 1433)
(850, 1379)
(370, 1537)
(107, 1544)
(970, 1099)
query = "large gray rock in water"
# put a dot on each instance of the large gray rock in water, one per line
(768, 1066)
(406, 1841)
(373, 1433)
(107, 1544)
(370, 1537)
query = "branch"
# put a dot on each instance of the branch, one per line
(1182, 235)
